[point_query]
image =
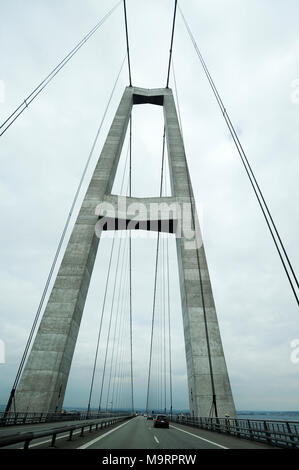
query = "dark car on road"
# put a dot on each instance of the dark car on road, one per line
(161, 421)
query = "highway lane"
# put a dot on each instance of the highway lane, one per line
(139, 433)
(40, 427)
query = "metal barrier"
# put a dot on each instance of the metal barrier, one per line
(276, 433)
(11, 418)
(27, 437)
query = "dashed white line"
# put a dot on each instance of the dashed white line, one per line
(156, 439)
(198, 437)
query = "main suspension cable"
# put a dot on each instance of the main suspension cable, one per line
(127, 41)
(38, 89)
(259, 195)
(176, 95)
(171, 42)
(37, 315)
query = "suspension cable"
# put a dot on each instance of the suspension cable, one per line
(259, 195)
(110, 322)
(169, 329)
(121, 307)
(127, 40)
(37, 315)
(121, 286)
(37, 90)
(114, 288)
(176, 95)
(168, 284)
(122, 338)
(164, 317)
(171, 42)
(155, 283)
(105, 296)
(119, 367)
(121, 355)
(214, 399)
(130, 274)
(104, 300)
(100, 328)
(116, 326)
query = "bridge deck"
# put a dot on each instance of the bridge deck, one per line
(138, 433)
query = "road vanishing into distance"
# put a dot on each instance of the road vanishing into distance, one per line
(137, 433)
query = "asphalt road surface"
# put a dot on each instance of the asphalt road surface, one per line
(139, 433)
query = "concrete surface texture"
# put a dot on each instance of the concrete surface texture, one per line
(43, 383)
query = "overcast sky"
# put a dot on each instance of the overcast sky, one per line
(252, 50)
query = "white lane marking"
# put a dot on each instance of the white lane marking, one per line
(198, 437)
(90, 443)
(156, 439)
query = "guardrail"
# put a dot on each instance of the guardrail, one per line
(12, 418)
(276, 433)
(27, 437)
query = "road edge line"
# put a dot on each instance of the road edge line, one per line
(90, 443)
(202, 438)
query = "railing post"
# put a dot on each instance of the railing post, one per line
(251, 434)
(237, 427)
(70, 436)
(82, 432)
(290, 432)
(267, 431)
(53, 440)
(26, 444)
(227, 425)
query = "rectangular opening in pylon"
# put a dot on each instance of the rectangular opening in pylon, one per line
(143, 99)
(146, 154)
